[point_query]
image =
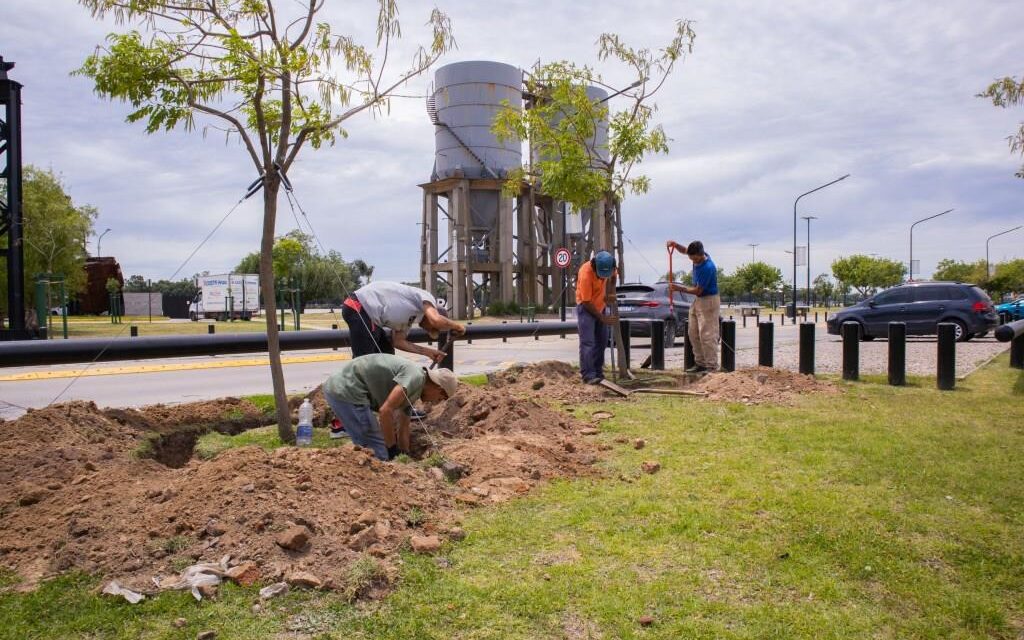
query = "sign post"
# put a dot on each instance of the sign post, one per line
(562, 260)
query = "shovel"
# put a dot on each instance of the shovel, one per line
(447, 345)
(625, 393)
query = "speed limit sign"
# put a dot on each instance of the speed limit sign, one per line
(562, 258)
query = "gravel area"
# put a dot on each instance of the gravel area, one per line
(874, 355)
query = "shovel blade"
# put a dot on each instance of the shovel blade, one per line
(608, 384)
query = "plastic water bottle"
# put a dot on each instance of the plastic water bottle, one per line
(304, 434)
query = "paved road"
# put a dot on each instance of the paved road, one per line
(171, 380)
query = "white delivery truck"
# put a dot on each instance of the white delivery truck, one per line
(230, 296)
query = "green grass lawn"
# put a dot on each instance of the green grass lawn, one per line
(883, 513)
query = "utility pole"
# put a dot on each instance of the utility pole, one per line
(808, 219)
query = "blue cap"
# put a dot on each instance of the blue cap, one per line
(604, 264)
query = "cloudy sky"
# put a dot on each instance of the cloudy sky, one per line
(777, 98)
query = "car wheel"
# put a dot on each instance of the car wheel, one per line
(194, 317)
(670, 334)
(960, 331)
(864, 337)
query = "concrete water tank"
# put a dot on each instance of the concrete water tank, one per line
(467, 97)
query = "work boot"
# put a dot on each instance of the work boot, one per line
(696, 369)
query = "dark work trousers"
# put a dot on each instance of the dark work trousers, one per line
(593, 340)
(365, 337)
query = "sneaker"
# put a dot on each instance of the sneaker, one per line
(417, 414)
(697, 369)
(338, 433)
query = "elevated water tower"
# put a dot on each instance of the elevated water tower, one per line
(473, 261)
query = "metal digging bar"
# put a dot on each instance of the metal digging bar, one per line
(39, 352)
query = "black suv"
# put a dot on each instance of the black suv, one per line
(642, 303)
(922, 305)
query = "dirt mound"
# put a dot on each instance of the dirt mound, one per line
(552, 380)
(75, 495)
(760, 385)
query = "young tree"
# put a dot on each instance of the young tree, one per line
(1008, 278)
(866, 274)
(568, 160)
(55, 233)
(267, 76)
(1009, 92)
(824, 289)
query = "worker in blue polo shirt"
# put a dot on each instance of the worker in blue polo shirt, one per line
(703, 331)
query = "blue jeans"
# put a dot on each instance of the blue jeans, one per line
(593, 341)
(360, 424)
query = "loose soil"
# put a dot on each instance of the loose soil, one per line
(116, 492)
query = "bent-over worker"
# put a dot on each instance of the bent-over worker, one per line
(390, 305)
(387, 384)
(591, 314)
(703, 319)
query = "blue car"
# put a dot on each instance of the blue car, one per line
(1012, 310)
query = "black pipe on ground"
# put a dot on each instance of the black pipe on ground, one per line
(39, 352)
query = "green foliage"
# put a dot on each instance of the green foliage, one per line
(55, 234)
(322, 278)
(824, 289)
(1009, 92)
(1008, 277)
(113, 286)
(958, 271)
(569, 164)
(758, 277)
(500, 308)
(867, 274)
(184, 287)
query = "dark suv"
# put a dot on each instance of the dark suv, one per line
(922, 305)
(642, 303)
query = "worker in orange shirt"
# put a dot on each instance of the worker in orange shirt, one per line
(592, 316)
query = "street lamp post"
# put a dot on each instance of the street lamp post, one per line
(808, 219)
(752, 248)
(987, 274)
(99, 240)
(829, 184)
(910, 271)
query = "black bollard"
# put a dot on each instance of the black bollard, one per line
(133, 331)
(729, 346)
(1017, 352)
(783, 317)
(468, 339)
(504, 338)
(766, 344)
(688, 359)
(657, 345)
(851, 350)
(815, 317)
(744, 321)
(807, 348)
(897, 354)
(210, 328)
(945, 366)
(770, 318)
(624, 331)
(334, 327)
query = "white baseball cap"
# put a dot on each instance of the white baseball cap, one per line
(444, 378)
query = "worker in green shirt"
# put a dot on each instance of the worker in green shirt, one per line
(387, 384)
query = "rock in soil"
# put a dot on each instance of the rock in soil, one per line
(650, 466)
(646, 621)
(425, 544)
(639, 443)
(304, 579)
(293, 538)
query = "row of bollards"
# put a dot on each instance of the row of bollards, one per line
(945, 365)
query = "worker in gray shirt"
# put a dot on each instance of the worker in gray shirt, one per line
(396, 307)
(387, 384)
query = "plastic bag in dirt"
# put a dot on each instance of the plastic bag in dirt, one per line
(203, 574)
(114, 588)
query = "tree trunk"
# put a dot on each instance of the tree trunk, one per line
(284, 417)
